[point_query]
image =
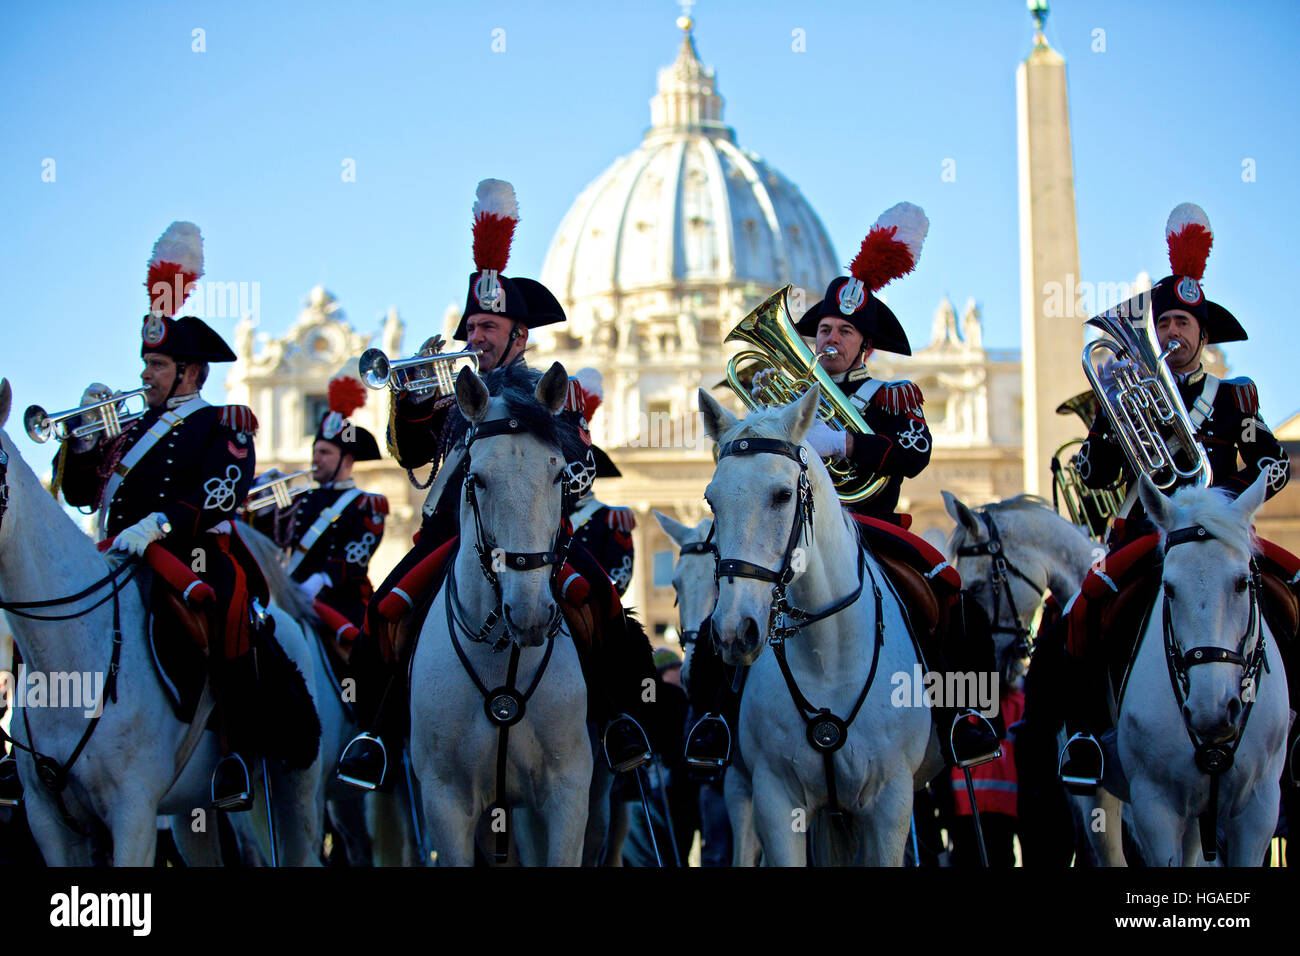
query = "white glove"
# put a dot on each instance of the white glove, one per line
(143, 533)
(759, 382)
(1107, 375)
(311, 587)
(94, 392)
(826, 441)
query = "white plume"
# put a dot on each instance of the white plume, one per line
(912, 225)
(181, 243)
(1185, 213)
(591, 379)
(496, 197)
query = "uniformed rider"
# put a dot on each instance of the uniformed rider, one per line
(848, 324)
(175, 476)
(1225, 414)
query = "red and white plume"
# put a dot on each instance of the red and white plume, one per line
(1189, 237)
(892, 247)
(346, 395)
(177, 254)
(592, 384)
(496, 214)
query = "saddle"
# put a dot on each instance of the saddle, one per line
(926, 583)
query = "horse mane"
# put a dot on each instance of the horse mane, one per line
(516, 385)
(1211, 508)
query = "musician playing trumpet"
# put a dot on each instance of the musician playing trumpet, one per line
(1228, 425)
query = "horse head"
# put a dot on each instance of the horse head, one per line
(514, 484)
(693, 581)
(1210, 603)
(756, 503)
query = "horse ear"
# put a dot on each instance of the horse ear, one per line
(717, 419)
(553, 389)
(1247, 502)
(471, 395)
(6, 400)
(960, 513)
(674, 529)
(800, 415)
(1159, 508)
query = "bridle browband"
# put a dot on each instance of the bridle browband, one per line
(825, 731)
(1214, 759)
(1000, 569)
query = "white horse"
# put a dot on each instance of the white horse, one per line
(1208, 615)
(779, 784)
(512, 505)
(125, 775)
(1009, 554)
(693, 582)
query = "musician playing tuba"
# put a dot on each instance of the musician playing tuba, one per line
(853, 322)
(1225, 415)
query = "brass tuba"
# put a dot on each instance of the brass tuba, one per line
(1092, 508)
(778, 347)
(1145, 408)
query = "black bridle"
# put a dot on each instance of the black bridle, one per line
(491, 560)
(1000, 570)
(505, 705)
(707, 546)
(826, 731)
(4, 484)
(1214, 759)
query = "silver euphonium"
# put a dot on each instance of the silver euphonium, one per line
(1143, 405)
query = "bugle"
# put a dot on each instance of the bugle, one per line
(106, 415)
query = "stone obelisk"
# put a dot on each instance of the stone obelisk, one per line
(1051, 329)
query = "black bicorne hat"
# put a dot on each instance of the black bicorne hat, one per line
(346, 395)
(891, 249)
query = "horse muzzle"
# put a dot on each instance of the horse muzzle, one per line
(533, 631)
(1219, 725)
(738, 642)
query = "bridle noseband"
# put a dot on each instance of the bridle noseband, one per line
(1000, 570)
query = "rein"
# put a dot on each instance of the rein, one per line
(1213, 760)
(825, 731)
(504, 705)
(52, 774)
(999, 581)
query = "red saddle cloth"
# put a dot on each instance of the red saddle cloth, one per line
(406, 594)
(995, 782)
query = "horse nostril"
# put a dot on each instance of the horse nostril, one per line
(1234, 710)
(749, 633)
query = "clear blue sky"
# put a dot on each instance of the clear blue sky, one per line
(248, 140)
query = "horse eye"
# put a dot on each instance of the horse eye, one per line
(782, 496)
(1242, 584)
(1169, 590)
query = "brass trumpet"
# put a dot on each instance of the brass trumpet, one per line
(276, 491)
(779, 348)
(428, 369)
(106, 415)
(1145, 408)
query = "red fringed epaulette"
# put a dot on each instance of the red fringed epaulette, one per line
(374, 503)
(239, 418)
(1245, 394)
(899, 397)
(620, 519)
